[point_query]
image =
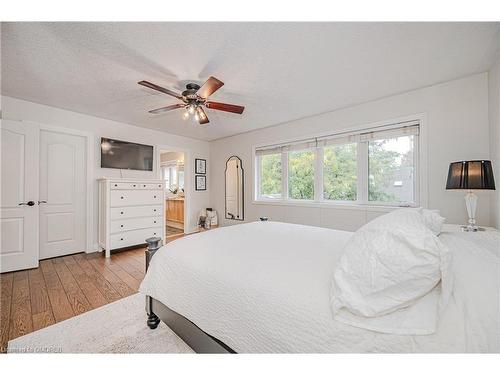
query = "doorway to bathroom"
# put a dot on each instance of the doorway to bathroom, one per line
(173, 173)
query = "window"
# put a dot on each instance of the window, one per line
(180, 175)
(170, 174)
(376, 166)
(270, 176)
(391, 170)
(340, 172)
(301, 174)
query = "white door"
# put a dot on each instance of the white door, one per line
(63, 186)
(19, 184)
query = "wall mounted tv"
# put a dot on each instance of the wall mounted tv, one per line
(126, 155)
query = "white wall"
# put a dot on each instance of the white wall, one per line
(15, 109)
(457, 128)
(494, 115)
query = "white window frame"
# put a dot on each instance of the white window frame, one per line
(420, 170)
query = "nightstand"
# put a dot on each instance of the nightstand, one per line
(458, 228)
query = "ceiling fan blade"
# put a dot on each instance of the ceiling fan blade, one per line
(167, 108)
(159, 88)
(209, 87)
(225, 107)
(202, 116)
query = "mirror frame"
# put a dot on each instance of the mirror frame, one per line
(242, 190)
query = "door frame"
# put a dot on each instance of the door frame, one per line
(188, 181)
(89, 138)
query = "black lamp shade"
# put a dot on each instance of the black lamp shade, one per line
(471, 175)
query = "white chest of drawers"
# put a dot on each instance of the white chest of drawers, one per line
(129, 212)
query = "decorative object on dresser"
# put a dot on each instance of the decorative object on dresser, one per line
(129, 212)
(471, 175)
(200, 166)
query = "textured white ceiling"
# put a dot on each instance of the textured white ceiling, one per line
(278, 71)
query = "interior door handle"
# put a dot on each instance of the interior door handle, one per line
(39, 202)
(29, 203)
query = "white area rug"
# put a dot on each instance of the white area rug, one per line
(119, 327)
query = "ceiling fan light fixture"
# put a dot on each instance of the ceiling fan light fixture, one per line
(193, 99)
(200, 114)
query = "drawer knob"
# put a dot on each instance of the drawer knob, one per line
(154, 222)
(144, 185)
(116, 185)
(154, 233)
(121, 213)
(134, 185)
(121, 197)
(154, 209)
(154, 196)
(121, 239)
(121, 226)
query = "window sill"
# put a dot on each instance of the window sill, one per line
(332, 205)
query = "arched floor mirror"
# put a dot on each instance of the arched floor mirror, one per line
(234, 189)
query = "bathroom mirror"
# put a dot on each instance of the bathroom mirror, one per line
(234, 188)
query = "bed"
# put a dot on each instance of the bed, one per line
(264, 287)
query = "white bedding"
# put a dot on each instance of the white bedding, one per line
(265, 286)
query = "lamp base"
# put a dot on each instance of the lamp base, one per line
(471, 204)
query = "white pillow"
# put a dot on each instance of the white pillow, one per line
(387, 265)
(433, 220)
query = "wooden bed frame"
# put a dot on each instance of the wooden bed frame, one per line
(195, 337)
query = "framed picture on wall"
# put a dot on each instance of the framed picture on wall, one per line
(200, 166)
(200, 182)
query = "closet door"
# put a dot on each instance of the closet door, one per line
(63, 194)
(19, 196)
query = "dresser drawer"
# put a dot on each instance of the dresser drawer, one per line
(135, 185)
(152, 186)
(133, 237)
(124, 185)
(136, 223)
(119, 213)
(135, 197)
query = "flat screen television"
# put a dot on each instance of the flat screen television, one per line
(126, 155)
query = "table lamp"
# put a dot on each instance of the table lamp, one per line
(471, 175)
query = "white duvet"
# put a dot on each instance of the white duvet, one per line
(264, 287)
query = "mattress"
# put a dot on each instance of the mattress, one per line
(264, 287)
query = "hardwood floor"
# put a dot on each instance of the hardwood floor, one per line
(172, 231)
(65, 287)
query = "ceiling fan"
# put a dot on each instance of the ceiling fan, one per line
(194, 98)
